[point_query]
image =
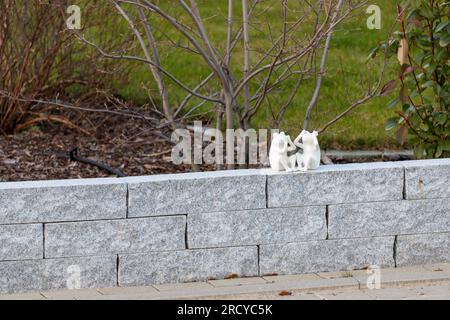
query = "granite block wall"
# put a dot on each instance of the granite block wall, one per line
(197, 226)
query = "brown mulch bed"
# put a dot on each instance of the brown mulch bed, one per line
(125, 144)
(130, 145)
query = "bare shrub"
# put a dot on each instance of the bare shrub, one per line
(242, 75)
(30, 39)
(42, 68)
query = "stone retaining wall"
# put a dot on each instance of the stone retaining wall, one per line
(198, 226)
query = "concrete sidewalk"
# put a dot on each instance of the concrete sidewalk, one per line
(422, 282)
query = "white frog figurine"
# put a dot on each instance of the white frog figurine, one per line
(278, 154)
(310, 158)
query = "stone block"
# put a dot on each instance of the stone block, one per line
(196, 192)
(253, 227)
(388, 218)
(187, 265)
(327, 255)
(114, 236)
(427, 179)
(62, 200)
(423, 249)
(46, 274)
(335, 184)
(21, 241)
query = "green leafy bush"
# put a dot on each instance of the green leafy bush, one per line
(422, 46)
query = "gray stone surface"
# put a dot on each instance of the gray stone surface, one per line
(114, 236)
(388, 218)
(226, 213)
(62, 200)
(21, 241)
(45, 274)
(256, 227)
(423, 249)
(187, 265)
(196, 192)
(405, 284)
(329, 255)
(427, 179)
(334, 184)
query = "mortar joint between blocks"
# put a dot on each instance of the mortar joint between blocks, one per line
(186, 243)
(395, 251)
(258, 251)
(43, 240)
(117, 271)
(404, 183)
(127, 201)
(266, 190)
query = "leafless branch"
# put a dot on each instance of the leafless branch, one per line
(372, 92)
(139, 59)
(315, 96)
(56, 103)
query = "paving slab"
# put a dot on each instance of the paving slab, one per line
(343, 295)
(290, 278)
(392, 293)
(128, 290)
(126, 296)
(190, 286)
(237, 282)
(439, 267)
(430, 282)
(265, 296)
(436, 290)
(444, 297)
(338, 274)
(300, 296)
(23, 296)
(71, 294)
(392, 276)
(313, 281)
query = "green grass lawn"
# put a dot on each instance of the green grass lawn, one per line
(345, 80)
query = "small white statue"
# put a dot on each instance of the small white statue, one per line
(309, 159)
(278, 154)
(291, 156)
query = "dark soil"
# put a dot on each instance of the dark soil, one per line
(130, 145)
(125, 144)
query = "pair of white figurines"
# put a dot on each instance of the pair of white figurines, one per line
(303, 154)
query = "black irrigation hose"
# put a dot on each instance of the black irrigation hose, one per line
(73, 155)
